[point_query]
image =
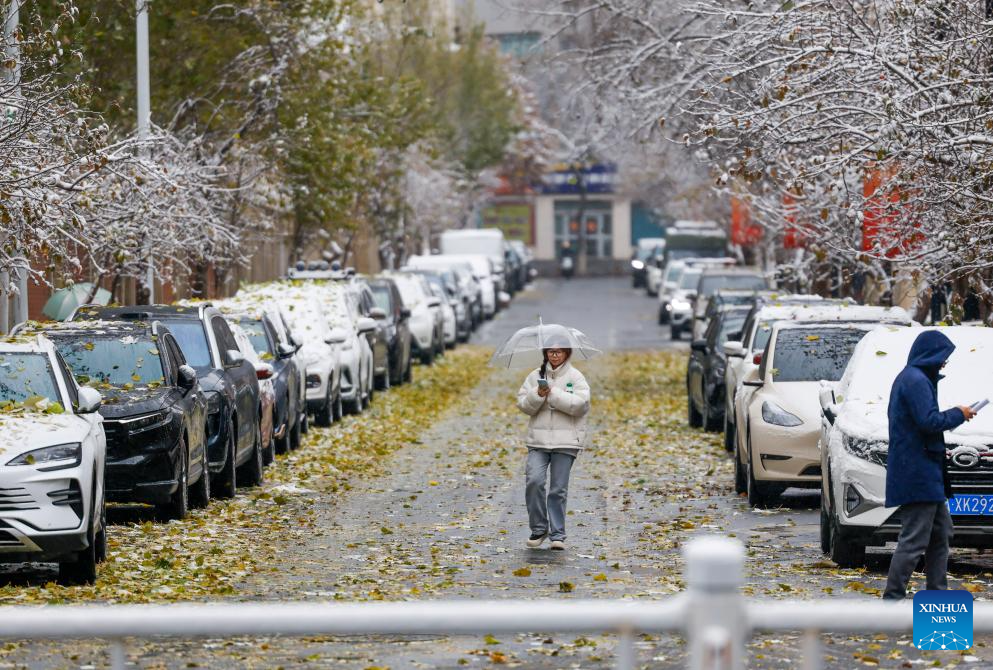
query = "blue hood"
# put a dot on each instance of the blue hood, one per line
(931, 349)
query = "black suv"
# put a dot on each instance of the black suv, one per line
(153, 411)
(273, 345)
(397, 331)
(705, 372)
(234, 444)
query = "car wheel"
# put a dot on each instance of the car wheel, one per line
(408, 374)
(227, 479)
(694, 417)
(179, 504)
(825, 531)
(101, 536)
(83, 568)
(253, 472)
(304, 422)
(740, 483)
(758, 494)
(325, 416)
(710, 423)
(427, 357)
(675, 332)
(355, 406)
(269, 454)
(339, 407)
(662, 318)
(844, 552)
(295, 434)
(728, 433)
(200, 495)
(383, 380)
(285, 443)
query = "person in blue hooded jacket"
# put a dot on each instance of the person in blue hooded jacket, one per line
(915, 469)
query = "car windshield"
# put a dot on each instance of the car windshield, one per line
(672, 272)
(811, 354)
(410, 291)
(255, 331)
(762, 334)
(26, 378)
(121, 361)
(192, 340)
(689, 279)
(711, 284)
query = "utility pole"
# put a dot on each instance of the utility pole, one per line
(144, 113)
(12, 50)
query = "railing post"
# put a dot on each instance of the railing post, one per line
(715, 622)
(118, 659)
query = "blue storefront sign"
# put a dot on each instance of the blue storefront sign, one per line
(564, 179)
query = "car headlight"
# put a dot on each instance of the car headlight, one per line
(145, 422)
(874, 451)
(777, 416)
(55, 457)
(637, 265)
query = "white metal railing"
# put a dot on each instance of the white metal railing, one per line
(713, 616)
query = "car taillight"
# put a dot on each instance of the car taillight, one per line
(757, 359)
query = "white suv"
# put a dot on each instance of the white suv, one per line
(52, 453)
(854, 442)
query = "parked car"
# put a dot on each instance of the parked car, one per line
(398, 338)
(719, 278)
(667, 287)
(267, 393)
(348, 334)
(482, 272)
(654, 272)
(745, 356)
(228, 380)
(680, 305)
(449, 322)
(705, 371)
(379, 339)
(445, 288)
(272, 341)
(778, 443)
(645, 251)
(308, 325)
(422, 322)
(154, 412)
(722, 299)
(854, 440)
(51, 469)
(526, 271)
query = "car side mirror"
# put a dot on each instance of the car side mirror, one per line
(264, 371)
(338, 336)
(186, 377)
(828, 401)
(734, 349)
(753, 380)
(366, 325)
(699, 345)
(504, 298)
(377, 313)
(286, 350)
(233, 358)
(89, 400)
(404, 312)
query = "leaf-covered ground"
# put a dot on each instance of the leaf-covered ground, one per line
(423, 499)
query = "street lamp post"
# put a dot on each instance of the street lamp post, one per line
(144, 112)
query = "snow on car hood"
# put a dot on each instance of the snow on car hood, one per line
(881, 356)
(25, 432)
(799, 398)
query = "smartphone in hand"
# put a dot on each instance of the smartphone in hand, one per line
(976, 406)
(542, 383)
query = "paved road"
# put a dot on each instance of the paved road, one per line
(615, 316)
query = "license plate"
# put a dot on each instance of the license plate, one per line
(974, 505)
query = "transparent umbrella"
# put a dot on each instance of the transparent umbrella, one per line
(524, 348)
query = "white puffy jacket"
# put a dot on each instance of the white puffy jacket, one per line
(558, 421)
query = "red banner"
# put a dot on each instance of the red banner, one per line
(743, 232)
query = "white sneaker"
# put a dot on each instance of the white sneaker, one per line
(558, 545)
(535, 541)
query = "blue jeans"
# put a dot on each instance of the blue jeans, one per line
(546, 506)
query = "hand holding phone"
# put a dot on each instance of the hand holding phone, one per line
(976, 406)
(542, 383)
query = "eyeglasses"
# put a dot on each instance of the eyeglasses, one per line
(556, 352)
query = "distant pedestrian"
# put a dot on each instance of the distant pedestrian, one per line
(916, 470)
(557, 398)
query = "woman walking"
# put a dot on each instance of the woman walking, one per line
(557, 398)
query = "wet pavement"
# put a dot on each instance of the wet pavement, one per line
(443, 517)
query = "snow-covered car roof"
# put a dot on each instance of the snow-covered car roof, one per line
(882, 354)
(32, 342)
(815, 311)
